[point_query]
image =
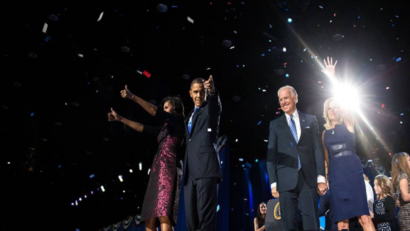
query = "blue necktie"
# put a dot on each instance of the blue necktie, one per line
(190, 121)
(295, 135)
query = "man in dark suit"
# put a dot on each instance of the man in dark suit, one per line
(295, 163)
(202, 165)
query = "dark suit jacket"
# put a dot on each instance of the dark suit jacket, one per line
(282, 158)
(201, 157)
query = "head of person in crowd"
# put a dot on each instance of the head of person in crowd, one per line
(288, 98)
(332, 113)
(173, 105)
(383, 187)
(197, 92)
(400, 163)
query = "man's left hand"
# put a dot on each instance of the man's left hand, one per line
(321, 188)
(209, 84)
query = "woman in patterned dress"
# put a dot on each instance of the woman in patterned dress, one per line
(400, 178)
(162, 196)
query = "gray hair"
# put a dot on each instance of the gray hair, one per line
(292, 91)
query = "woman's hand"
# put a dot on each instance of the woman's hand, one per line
(126, 93)
(330, 67)
(113, 116)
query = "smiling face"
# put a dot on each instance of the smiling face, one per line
(262, 208)
(168, 107)
(287, 101)
(333, 111)
(197, 93)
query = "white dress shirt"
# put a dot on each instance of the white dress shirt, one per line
(320, 178)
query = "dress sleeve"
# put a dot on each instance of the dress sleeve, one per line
(389, 210)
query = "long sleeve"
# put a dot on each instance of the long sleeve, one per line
(271, 155)
(318, 148)
(385, 214)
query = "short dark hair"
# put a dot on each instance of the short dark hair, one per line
(197, 80)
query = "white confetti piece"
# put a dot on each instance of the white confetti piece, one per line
(101, 15)
(81, 55)
(139, 72)
(190, 20)
(45, 27)
(209, 129)
(232, 47)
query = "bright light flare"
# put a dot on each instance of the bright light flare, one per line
(347, 96)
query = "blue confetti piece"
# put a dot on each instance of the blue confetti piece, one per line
(269, 50)
(59, 166)
(256, 161)
(48, 38)
(402, 114)
(237, 66)
(358, 17)
(243, 165)
(259, 122)
(91, 176)
(270, 26)
(174, 6)
(32, 114)
(263, 54)
(217, 208)
(392, 24)
(287, 75)
(398, 59)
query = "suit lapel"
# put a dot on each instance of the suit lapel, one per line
(195, 118)
(302, 121)
(286, 128)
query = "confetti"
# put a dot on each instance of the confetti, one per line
(398, 59)
(101, 15)
(321, 7)
(148, 75)
(45, 27)
(259, 123)
(81, 55)
(139, 72)
(125, 49)
(53, 17)
(162, 8)
(227, 43)
(190, 20)
(232, 47)
(387, 88)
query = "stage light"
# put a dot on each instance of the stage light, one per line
(347, 96)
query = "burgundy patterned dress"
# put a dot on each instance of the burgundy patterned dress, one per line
(162, 195)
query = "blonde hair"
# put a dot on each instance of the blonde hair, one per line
(292, 91)
(385, 185)
(328, 124)
(399, 164)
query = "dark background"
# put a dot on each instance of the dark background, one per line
(53, 108)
